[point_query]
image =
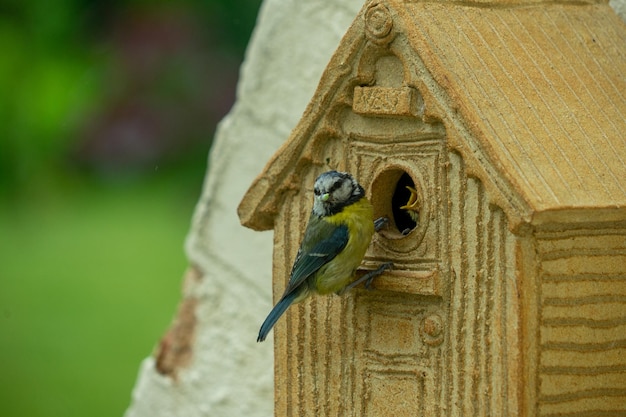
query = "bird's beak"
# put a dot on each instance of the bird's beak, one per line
(413, 203)
(325, 197)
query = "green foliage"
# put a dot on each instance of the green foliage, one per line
(91, 234)
(64, 65)
(90, 281)
(51, 78)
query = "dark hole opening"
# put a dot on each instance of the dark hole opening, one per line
(402, 217)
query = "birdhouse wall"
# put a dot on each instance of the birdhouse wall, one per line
(439, 335)
(484, 368)
(581, 347)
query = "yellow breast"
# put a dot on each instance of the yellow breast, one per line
(335, 275)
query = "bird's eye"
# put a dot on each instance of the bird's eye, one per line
(335, 187)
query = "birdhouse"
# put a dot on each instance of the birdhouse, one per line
(499, 127)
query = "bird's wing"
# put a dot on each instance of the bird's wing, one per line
(322, 242)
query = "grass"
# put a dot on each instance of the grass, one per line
(90, 278)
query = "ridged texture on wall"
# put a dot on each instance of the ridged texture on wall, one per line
(582, 335)
(482, 351)
(368, 353)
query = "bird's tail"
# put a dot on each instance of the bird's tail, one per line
(275, 314)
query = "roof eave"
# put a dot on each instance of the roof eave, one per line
(579, 215)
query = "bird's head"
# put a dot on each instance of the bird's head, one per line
(334, 191)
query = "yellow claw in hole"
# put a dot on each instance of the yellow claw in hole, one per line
(413, 205)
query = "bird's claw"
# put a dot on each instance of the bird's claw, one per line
(369, 277)
(380, 222)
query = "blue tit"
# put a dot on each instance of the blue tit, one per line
(339, 232)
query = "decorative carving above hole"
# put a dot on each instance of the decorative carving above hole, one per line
(385, 101)
(379, 24)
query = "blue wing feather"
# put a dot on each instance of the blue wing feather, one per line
(322, 242)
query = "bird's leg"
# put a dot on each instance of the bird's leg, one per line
(369, 277)
(380, 222)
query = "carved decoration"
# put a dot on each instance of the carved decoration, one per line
(431, 329)
(379, 24)
(384, 101)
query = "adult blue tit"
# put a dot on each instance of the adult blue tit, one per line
(339, 232)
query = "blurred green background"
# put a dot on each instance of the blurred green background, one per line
(107, 111)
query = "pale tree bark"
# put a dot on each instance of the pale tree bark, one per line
(620, 8)
(209, 363)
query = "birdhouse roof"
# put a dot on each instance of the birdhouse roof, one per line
(540, 86)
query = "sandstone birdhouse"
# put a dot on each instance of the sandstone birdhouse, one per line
(508, 291)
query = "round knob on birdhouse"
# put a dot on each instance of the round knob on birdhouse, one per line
(431, 329)
(379, 24)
